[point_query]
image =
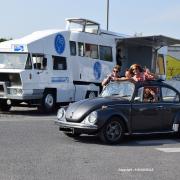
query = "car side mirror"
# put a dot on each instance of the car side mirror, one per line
(137, 99)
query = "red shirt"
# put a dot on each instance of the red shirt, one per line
(143, 76)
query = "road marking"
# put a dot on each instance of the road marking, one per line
(156, 142)
(169, 150)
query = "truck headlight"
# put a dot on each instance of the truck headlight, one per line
(91, 118)
(61, 113)
(15, 91)
(19, 91)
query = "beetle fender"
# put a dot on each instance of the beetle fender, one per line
(109, 113)
(177, 118)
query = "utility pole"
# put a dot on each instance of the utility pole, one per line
(107, 15)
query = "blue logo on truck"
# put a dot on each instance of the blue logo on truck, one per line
(59, 43)
(97, 70)
(18, 48)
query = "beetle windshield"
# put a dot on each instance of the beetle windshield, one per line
(123, 89)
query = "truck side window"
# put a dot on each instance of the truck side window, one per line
(28, 63)
(59, 63)
(91, 50)
(72, 45)
(38, 61)
(80, 49)
(105, 53)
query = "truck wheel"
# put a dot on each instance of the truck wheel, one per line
(5, 107)
(178, 133)
(91, 94)
(48, 102)
(112, 132)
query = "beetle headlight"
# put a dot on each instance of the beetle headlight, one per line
(61, 113)
(91, 118)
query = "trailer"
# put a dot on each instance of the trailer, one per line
(62, 66)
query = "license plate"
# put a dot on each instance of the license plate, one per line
(67, 130)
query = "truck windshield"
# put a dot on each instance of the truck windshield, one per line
(13, 60)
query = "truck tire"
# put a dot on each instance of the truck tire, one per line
(48, 102)
(5, 107)
(113, 131)
(178, 133)
(91, 94)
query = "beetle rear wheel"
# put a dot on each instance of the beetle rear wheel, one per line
(112, 132)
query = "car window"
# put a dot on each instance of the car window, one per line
(169, 95)
(147, 94)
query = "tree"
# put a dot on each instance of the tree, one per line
(4, 39)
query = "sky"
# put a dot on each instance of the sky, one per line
(147, 17)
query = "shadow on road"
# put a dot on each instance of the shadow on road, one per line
(137, 140)
(26, 111)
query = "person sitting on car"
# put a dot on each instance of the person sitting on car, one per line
(114, 76)
(149, 95)
(140, 74)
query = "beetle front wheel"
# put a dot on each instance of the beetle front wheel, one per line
(112, 132)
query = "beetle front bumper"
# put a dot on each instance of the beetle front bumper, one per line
(70, 127)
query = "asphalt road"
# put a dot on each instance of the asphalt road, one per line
(32, 148)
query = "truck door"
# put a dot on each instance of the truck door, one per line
(40, 69)
(61, 78)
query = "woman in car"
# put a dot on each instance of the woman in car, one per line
(140, 74)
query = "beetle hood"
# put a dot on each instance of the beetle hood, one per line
(77, 111)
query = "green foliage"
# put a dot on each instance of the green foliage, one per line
(4, 39)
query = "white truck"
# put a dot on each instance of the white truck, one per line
(63, 66)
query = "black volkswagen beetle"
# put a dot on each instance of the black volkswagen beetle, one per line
(124, 108)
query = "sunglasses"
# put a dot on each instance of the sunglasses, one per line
(115, 71)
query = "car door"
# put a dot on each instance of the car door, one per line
(146, 116)
(170, 106)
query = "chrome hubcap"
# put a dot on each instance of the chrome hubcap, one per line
(49, 101)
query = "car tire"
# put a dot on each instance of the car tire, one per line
(72, 135)
(113, 131)
(48, 102)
